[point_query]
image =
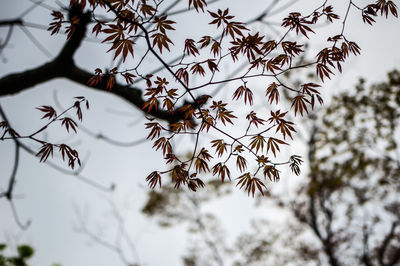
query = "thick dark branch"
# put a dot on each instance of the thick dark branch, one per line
(11, 22)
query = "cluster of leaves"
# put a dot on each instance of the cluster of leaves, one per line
(25, 252)
(47, 148)
(346, 212)
(135, 22)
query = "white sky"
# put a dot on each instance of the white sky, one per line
(48, 197)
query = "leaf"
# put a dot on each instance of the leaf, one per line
(125, 46)
(182, 73)
(190, 47)
(310, 88)
(241, 163)
(128, 77)
(155, 130)
(216, 48)
(221, 17)
(153, 179)
(354, 48)
(212, 66)
(252, 117)
(249, 46)
(201, 165)
(273, 145)
(72, 155)
(222, 171)
(162, 24)
(198, 69)
(194, 184)
(49, 111)
(161, 40)
(299, 104)
(291, 48)
(295, 21)
(220, 146)
(198, 4)
(243, 90)
(147, 10)
(179, 175)
(323, 71)
(251, 184)
(68, 123)
(94, 80)
(225, 116)
(273, 93)
(272, 173)
(45, 151)
(150, 104)
(295, 162)
(205, 154)
(205, 41)
(163, 144)
(257, 142)
(77, 106)
(285, 127)
(235, 28)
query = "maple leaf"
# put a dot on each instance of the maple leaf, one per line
(272, 173)
(248, 45)
(153, 179)
(182, 73)
(221, 17)
(162, 24)
(295, 21)
(225, 116)
(68, 123)
(323, 71)
(273, 93)
(222, 171)
(295, 162)
(147, 10)
(252, 116)
(190, 47)
(201, 165)
(250, 184)
(49, 111)
(161, 40)
(205, 41)
(220, 146)
(243, 90)
(198, 4)
(257, 142)
(198, 69)
(115, 32)
(241, 163)
(235, 28)
(273, 145)
(299, 104)
(45, 151)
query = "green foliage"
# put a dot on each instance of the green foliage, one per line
(24, 252)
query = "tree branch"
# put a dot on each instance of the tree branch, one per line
(63, 66)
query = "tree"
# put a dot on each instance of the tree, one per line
(182, 97)
(351, 200)
(171, 96)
